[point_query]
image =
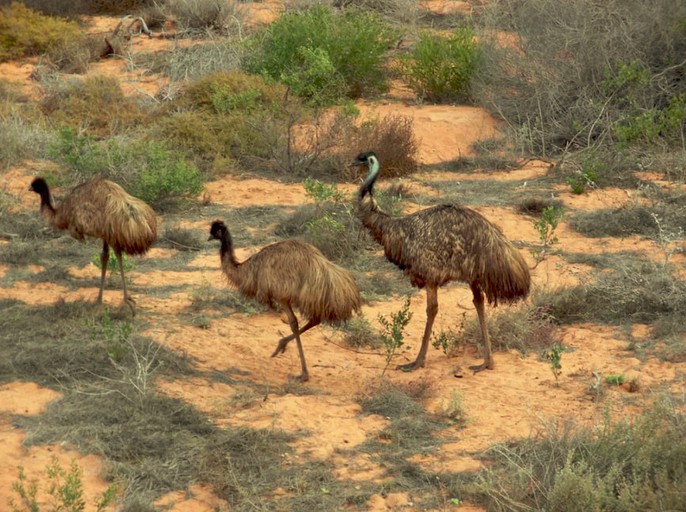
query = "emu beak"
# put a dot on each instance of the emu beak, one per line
(210, 238)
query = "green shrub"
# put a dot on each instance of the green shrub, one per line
(226, 91)
(341, 52)
(147, 169)
(24, 32)
(95, 105)
(440, 68)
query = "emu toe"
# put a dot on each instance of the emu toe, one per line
(483, 366)
(410, 367)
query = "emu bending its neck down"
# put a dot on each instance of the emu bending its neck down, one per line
(442, 244)
(102, 209)
(291, 274)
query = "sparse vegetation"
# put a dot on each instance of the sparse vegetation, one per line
(546, 226)
(393, 335)
(591, 86)
(65, 489)
(440, 68)
(568, 467)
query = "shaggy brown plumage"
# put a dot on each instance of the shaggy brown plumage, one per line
(291, 274)
(443, 244)
(102, 209)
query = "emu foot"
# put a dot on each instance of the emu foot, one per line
(132, 305)
(281, 347)
(303, 377)
(410, 367)
(486, 365)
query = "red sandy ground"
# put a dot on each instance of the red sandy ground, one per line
(511, 402)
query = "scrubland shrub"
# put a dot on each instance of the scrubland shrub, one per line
(147, 169)
(198, 15)
(440, 68)
(322, 55)
(74, 8)
(24, 32)
(393, 140)
(95, 105)
(623, 465)
(21, 139)
(585, 74)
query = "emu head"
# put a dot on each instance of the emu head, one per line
(39, 186)
(369, 159)
(217, 230)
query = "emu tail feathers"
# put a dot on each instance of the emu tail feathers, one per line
(328, 293)
(505, 274)
(132, 225)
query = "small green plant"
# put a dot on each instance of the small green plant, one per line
(392, 334)
(585, 177)
(117, 337)
(554, 356)
(614, 380)
(112, 264)
(447, 342)
(359, 333)
(439, 68)
(320, 192)
(546, 226)
(65, 488)
(454, 410)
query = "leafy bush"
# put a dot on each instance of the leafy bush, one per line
(440, 68)
(147, 169)
(24, 32)
(95, 105)
(322, 55)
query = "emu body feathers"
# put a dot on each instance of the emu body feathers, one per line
(291, 274)
(442, 244)
(102, 209)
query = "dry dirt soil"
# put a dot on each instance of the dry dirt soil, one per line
(510, 402)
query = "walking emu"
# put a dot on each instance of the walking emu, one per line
(102, 209)
(442, 244)
(291, 274)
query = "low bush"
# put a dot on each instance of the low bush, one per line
(24, 32)
(95, 105)
(322, 55)
(623, 465)
(147, 169)
(440, 69)
(201, 15)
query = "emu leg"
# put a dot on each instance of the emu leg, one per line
(431, 310)
(131, 303)
(488, 363)
(104, 260)
(293, 321)
(283, 342)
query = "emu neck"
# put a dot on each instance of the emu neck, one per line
(228, 257)
(372, 217)
(47, 210)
